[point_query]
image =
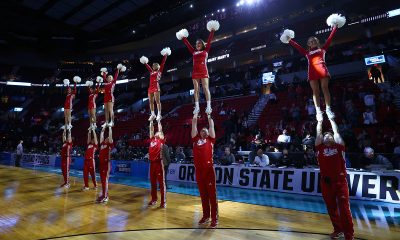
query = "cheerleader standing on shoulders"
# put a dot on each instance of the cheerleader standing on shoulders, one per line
(200, 56)
(317, 69)
(68, 102)
(92, 101)
(154, 86)
(109, 86)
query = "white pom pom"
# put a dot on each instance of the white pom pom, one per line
(89, 83)
(336, 20)
(119, 66)
(287, 35)
(99, 79)
(103, 70)
(66, 82)
(166, 51)
(183, 33)
(213, 25)
(77, 79)
(123, 69)
(144, 60)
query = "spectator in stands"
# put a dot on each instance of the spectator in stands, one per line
(255, 144)
(19, 153)
(180, 156)
(371, 158)
(376, 74)
(284, 138)
(369, 101)
(369, 117)
(284, 160)
(261, 159)
(228, 158)
(309, 156)
(166, 158)
(308, 140)
(272, 98)
(295, 112)
(310, 108)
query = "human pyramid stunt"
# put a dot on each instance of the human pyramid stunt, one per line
(330, 146)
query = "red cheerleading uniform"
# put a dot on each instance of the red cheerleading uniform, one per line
(316, 58)
(104, 155)
(205, 175)
(109, 87)
(69, 98)
(92, 99)
(334, 187)
(155, 76)
(157, 169)
(200, 58)
(89, 165)
(66, 160)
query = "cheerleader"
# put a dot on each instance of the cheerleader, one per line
(66, 156)
(200, 71)
(89, 167)
(92, 101)
(154, 86)
(317, 69)
(106, 145)
(68, 102)
(109, 85)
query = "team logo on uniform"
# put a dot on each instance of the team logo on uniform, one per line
(201, 142)
(330, 152)
(198, 52)
(153, 144)
(314, 51)
(103, 146)
(90, 146)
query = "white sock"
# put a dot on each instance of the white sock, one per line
(209, 104)
(318, 109)
(152, 113)
(159, 113)
(328, 107)
(196, 104)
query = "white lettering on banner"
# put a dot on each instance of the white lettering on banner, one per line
(362, 185)
(218, 58)
(38, 159)
(258, 47)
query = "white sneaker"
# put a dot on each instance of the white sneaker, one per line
(208, 110)
(104, 125)
(63, 127)
(111, 124)
(152, 117)
(69, 127)
(336, 235)
(320, 116)
(158, 117)
(329, 113)
(104, 200)
(90, 128)
(85, 189)
(94, 126)
(66, 186)
(196, 110)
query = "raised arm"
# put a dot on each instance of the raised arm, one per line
(210, 38)
(336, 134)
(211, 129)
(187, 43)
(298, 47)
(97, 88)
(194, 126)
(148, 67)
(116, 75)
(102, 134)
(151, 130)
(74, 92)
(94, 136)
(319, 137)
(163, 63)
(110, 137)
(329, 40)
(64, 136)
(88, 137)
(69, 138)
(160, 127)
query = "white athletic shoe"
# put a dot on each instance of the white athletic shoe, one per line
(104, 125)
(329, 113)
(90, 128)
(69, 127)
(66, 186)
(196, 110)
(111, 124)
(84, 189)
(208, 110)
(62, 127)
(94, 126)
(152, 117)
(336, 235)
(158, 118)
(320, 116)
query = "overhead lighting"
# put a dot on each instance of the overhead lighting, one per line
(205, 16)
(25, 84)
(212, 14)
(133, 31)
(223, 10)
(218, 10)
(191, 5)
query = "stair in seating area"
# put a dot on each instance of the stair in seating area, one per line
(258, 109)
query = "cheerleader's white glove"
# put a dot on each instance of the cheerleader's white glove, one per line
(166, 51)
(183, 33)
(287, 35)
(144, 60)
(123, 69)
(77, 79)
(66, 82)
(336, 20)
(99, 79)
(212, 25)
(89, 83)
(103, 70)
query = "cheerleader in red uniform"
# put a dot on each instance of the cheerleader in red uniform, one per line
(68, 102)
(92, 101)
(154, 86)
(66, 157)
(109, 85)
(203, 148)
(157, 166)
(317, 69)
(330, 150)
(106, 145)
(200, 56)
(89, 164)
